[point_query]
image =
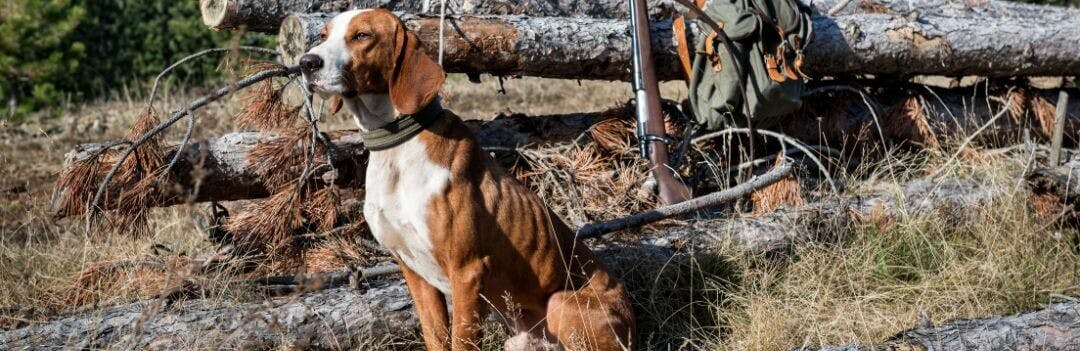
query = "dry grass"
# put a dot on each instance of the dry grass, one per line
(875, 282)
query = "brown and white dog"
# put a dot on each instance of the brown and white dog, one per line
(463, 230)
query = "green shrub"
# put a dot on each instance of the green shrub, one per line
(79, 49)
(37, 53)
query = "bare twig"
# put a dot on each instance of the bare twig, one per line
(782, 138)
(183, 145)
(176, 116)
(167, 70)
(838, 7)
(1059, 128)
(970, 138)
(594, 230)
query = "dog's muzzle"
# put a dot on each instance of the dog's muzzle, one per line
(309, 63)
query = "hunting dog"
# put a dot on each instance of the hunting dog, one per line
(464, 232)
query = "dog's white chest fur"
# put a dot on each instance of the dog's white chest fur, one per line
(401, 181)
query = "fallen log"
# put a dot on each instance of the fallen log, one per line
(1056, 327)
(777, 232)
(266, 16)
(1031, 41)
(552, 47)
(339, 318)
(914, 117)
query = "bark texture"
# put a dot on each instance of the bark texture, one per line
(267, 15)
(951, 40)
(956, 200)
(261, 15)
(1056, 327)
(552, 47)
(338, 318)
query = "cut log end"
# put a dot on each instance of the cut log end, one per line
(215, 13)
(298, 33)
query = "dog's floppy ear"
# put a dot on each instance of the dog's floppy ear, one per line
(416, 78)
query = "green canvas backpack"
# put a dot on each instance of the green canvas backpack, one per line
(758, 77)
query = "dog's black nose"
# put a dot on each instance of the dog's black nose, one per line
(310, 63)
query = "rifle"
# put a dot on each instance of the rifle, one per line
(650, 124)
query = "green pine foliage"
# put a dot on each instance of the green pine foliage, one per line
(37, 54)
(57, 50)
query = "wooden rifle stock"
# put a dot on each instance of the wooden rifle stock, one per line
(651, 133)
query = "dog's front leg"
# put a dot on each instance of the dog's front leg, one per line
(430, 308)
(466, 286)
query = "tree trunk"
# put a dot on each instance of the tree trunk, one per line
(1005, 41)
(1056, 327)
(267, 15)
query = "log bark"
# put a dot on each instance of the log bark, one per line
(1001, 41)
(338, 318)
(552, 47)
(267, 16)
(1056, 327)
(261, 16)
(777, 232)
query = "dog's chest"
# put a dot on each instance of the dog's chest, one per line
(400, 185)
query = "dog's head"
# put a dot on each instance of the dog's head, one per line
(369, 52)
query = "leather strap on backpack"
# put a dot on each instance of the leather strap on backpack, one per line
(685, 58)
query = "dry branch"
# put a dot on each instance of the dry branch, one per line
(266, 15)
(1002, 41)
(598, 229)
(1056, 327)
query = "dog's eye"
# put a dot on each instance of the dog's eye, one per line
(322, 36)
(361, 36)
